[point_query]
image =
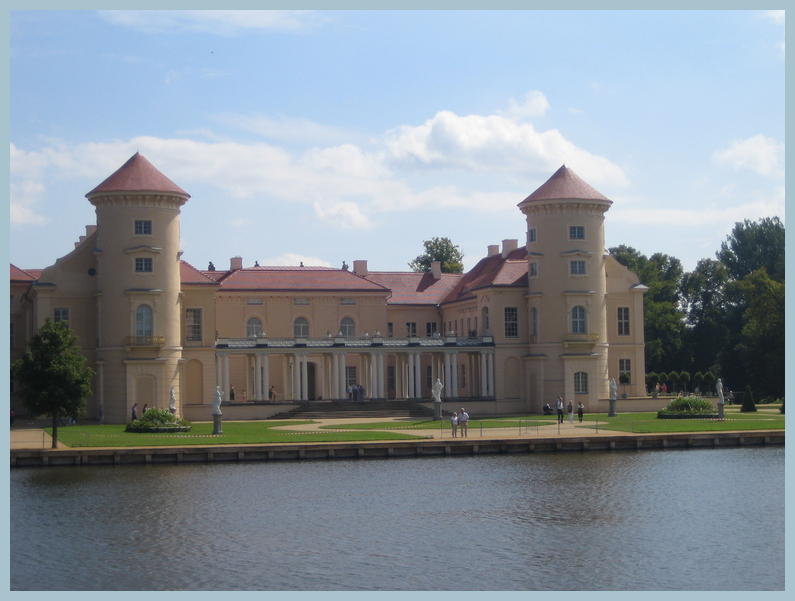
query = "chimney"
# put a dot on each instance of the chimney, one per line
(508, 246)
(235, 263)
(436, 269)
(360, 268)
(494, 249)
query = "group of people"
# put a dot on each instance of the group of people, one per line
(459, 420)
(271, 394)
(569, 408)
(356, 392)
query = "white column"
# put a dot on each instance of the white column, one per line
(335, 376)
(219, 373)
(483, 389)
(490, 372)
(381, 376)
(454, 370)
(266, 380)
(227, 384)
(411, 376)
(305, 378)
(417, 376)
(343, 386)
(257, 377)
(448, 388)
(296, 377)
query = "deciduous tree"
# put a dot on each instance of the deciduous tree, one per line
(442, 250)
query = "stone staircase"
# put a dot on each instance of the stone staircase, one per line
(350, 409)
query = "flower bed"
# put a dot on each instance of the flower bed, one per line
(158, 421)
(688, 408)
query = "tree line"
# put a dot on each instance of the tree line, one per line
(723, 319)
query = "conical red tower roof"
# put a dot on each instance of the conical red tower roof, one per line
(565, 184)
(138, 175)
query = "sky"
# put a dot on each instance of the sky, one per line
(323, 137)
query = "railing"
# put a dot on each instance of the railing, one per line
(353, 342)
(144, 340)
(590, 337)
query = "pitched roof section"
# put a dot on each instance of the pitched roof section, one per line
(138, 175)
(24, 275)
(492, 271)
(565, 184)
(298, 279)
(188, 274)
(412, 288)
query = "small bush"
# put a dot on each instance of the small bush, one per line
(158, 420)
(687, 406)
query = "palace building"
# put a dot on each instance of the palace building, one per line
(555, 316)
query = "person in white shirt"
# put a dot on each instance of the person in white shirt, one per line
(559, 408)
(463, 418)
(454, 423)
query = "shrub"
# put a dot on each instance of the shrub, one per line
(748, 401)
(158, 420)
(692, 405)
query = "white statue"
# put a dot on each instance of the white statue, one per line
(613, 389)
(437, 391)
(217, 401)
(719, 388)
(172, 402)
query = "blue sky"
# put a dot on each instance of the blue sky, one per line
(326, 137)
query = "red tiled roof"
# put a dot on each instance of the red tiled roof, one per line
(298, 279)
(138, 175)
(24, 275)
(564, 183)
(412, 288)
(492, 271)
(188, 274)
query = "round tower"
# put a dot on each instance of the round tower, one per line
(567, 288)
(138, 287)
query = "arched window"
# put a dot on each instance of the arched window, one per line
(578, 320)
(143, 320)
(347, 327)
(253, 327)
(534, 321)
(301, 327)
(581, 382)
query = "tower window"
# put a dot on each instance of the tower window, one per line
(578, 268)
(532, 235)
(577, 232)
(578, 325)
(143, 265)
(533, 269)
(143, 321)
(143, 227)
(623, 321)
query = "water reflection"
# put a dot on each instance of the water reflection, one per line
(572, 521)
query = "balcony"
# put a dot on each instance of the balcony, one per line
(580, 342)
(145, 341)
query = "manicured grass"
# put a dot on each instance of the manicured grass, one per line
(201, 434)
(648, 422)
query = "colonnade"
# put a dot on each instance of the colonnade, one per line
(476, 368)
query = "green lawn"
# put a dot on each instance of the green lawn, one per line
(259, 432)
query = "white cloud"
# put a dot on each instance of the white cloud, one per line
(294, 260)
(758, 153)
(344, 215)
(535, 105)
(24, 198)
(286, 129)
(777, 16)
(493, 143)
(219, 22)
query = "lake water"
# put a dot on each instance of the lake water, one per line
(710, 519)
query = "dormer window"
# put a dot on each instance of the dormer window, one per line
(143, 227)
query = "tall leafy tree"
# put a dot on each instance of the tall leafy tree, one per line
(754, 245)
(442, 250)
(703, 299)
(53, 374)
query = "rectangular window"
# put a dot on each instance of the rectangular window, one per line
(253, 301)
(532, 235)
(143, 265)
(578, 268)
(463, 375)
(411, 328)
(390, 330)
(300, 301)
(193, 324)
(143, 227)
(12, 299)
(625, 366)
(390, 377)
(623, 321)
(347, 301)
(60, 314)
(580, 382)
(475, 329)
(429, 375)
(577, 232)
(430, 328)
(533, 269)
(350, 375)
(511, 322)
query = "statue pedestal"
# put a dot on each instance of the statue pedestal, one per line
(217, 429)
(720, 411)
(437, 410)
(612, 412)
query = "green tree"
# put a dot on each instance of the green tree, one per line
(748, 405)
(704, 301)
(442, 250)
(684, 378)
(697, 379)
(652, 378)
(754, 245)
(53, 376)
(624, 378)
